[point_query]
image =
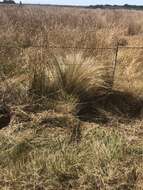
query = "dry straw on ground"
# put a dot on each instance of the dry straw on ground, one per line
(70, 129)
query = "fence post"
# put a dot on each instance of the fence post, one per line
(115, 63)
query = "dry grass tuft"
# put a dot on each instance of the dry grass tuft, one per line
(73, 74)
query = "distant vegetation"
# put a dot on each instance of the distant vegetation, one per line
(8, 2)
(126, 6)
(107, 6)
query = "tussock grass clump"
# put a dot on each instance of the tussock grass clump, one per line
(73, 74)
(83, 77)
(133, 28)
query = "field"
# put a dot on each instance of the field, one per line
(72, 82)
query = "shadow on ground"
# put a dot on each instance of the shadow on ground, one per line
(121, 105)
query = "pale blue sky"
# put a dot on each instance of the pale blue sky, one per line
(84, 2)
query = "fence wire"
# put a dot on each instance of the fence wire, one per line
(15, 60)
(15, 57)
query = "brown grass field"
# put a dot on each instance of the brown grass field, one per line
(76, 120)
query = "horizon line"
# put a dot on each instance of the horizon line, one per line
(75, 5)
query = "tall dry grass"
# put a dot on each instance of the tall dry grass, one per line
(59, 74)
(46, 146)
(82, 28)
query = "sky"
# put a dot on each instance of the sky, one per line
(84, 2)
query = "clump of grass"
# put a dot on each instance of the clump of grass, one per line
(73, 74)
(83, 76)
(133, 28)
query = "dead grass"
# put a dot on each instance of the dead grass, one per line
(57, 96)
(105, 158)
(68, 75)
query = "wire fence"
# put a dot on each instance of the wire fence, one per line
(23, 46)
(103, 54)
(115, 49)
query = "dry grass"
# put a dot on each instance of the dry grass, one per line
(80, 28)
(49, 91)
(68, 75)
(35, 157)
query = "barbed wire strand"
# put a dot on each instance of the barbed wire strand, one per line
(69, 47)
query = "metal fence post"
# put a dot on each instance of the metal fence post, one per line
(115, 63)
